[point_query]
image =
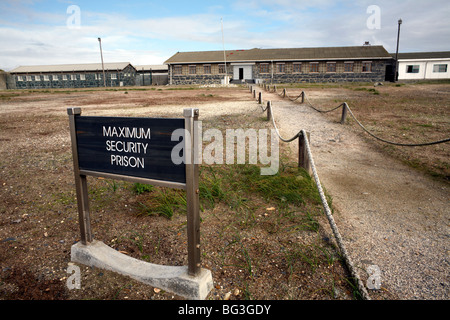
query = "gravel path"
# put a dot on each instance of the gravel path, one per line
(388, 214)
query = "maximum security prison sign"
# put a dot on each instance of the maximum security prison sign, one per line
(137, 150)
(139, 147)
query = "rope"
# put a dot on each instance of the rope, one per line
(396, 143)
(302, 135)
(330, 218)
(345, 105)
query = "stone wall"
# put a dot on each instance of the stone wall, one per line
(377, 73)
(291, 74)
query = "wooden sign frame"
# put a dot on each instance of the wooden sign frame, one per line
(190, 184)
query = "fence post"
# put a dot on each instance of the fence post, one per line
(344, 112)
(269, 110)
(254, 94)
(260, 97)
(284, 93)
(303, 96)
(303, 159)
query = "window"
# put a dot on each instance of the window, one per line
(439, 68)
(412, 69)
(296, 67)
(73, 77)
(177, 69)
(207, 69)
(82, 77)
(55, 77)
(280, 67)
(64, 77)
(264, 68)
(367, 66)
(192, 69)
(348, 66)
(331, 66)
(37, 78)
(29, 78)
(113, 76)
(221, 68)
(19, 78)
(46, 78)
(313, 67)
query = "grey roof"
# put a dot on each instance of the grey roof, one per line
(152, 67)
(297, 54)
(423, 55)
(71, 67)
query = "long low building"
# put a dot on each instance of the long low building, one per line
(423, 65)
(327, 64)
(74, 75)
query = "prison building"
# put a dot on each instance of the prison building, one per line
(74, 75)
(326, 64)
(423, 65)
(151, 75)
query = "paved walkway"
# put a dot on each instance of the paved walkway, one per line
(388, 214)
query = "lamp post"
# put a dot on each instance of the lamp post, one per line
(396, 52)
(103, 67)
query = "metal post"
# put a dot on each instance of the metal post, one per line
(103, 67)
(303, 96)
(80, 182)
(260, 97)
(192, 192)
(303, 159)
(344, 112)
(396, 52)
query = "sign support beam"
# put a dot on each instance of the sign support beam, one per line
(80, 182)
(192, 191)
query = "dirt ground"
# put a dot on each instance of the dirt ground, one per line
(38, 222)
(392, 212)
(245, 248)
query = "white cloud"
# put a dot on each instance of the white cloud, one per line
(27, 38)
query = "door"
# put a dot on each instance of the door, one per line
(241, 73)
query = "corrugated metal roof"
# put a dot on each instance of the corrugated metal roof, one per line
(423, 55)
(298, 54)
(71, 67)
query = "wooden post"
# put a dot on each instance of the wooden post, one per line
(344, 112)
(192, 192)
(303, 96)
(254, 94)
(303, 159)
(260, 97)
(80, 182)
(269, 110)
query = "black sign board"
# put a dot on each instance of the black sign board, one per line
(137, 147)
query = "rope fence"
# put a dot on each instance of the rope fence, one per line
(306, 161)
(345, 110)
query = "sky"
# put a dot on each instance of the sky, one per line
(44, 32)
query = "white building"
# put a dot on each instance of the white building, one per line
(423, 65)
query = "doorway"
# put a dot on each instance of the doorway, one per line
(241, 73)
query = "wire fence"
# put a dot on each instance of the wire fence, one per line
(306, 161)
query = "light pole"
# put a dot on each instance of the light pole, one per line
(103, 67)
(396, 52)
